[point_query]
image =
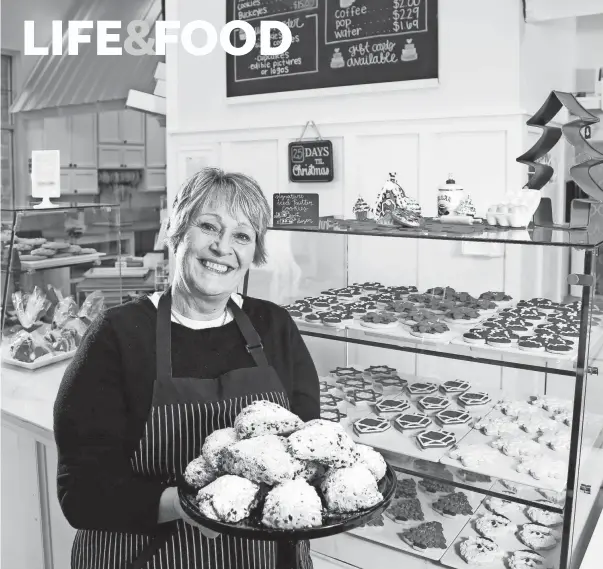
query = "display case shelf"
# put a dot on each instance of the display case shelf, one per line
(315, 262)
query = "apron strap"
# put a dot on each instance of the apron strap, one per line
(164, 336)
(157, 542)
(252, 338)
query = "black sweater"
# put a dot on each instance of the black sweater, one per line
(105, 398)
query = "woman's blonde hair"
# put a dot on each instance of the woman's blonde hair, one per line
(212, 187)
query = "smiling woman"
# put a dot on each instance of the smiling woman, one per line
(155, 376)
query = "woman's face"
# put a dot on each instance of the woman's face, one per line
(216, 252)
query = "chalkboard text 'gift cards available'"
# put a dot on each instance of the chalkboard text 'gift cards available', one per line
(295, 210)
(335, 43)
(311, 161)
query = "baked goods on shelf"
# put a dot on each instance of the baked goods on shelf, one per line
(379, 320)
(538, 536)
(435, 439)
(370, 425)
(452, 505)
(412, 421)
(425, 536)
(361, 209)
(479, 550)
(493, 525)
(292, 505)
(405, 510)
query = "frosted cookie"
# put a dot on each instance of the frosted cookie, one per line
(495, 426)
(411, 421)
(544, 468)
(435, 439)
(502, 507)
(509, 438)
(493, 525)
(474, 398)
(455, 386)
(392, 406)
(499, 339)
(433, 403)
(406, 488)
(557, 440)
(371, 425)
(346, 372)
(531, 344)
(477, 336)
(525, 559)
(453, 505)
(564, 417)
(331, 414)
(544, 517)
(473, 455)
(452, 417)
(313, 318)
(558, 347)
(516, 408)
(379, 320)
(463, 315)
(375, 371)
(517, 447)
(421, 388)
(553, 404)
(429, 330)
(372, 460)
(535, 424)
(405, 510)
(428, 535)
(479, 550)
(332, 320)
(392, 382)
(362, 396)
(537, 536)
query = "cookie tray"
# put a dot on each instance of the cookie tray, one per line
(49, 263)
(42, 361)
(404, 443)
(505, 466)
(389, 533)
(507, 543)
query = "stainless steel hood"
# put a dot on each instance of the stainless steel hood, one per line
(88, 82)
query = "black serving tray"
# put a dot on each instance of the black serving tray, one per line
(252, 528)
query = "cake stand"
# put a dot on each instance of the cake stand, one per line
(288, 541)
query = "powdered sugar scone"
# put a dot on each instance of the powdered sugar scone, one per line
(502, 507)
(199, 473)
(215, 443)
(350, 489)
(557, 440)
(372, 460)
(525, 559)
(537, 536)
(473, 455)
(479, 550)
(544, 517)
(493, 525)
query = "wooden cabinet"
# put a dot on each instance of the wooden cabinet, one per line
(155, 180)
(74, 137)
(155, 143)
(121, 127)
(79, 182)
(121, 156)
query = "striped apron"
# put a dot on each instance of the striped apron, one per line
(185, 411)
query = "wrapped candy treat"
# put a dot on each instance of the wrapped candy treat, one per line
(62, 340)
(29, 307)
(92, 307)
(27, 347)
(65, 310)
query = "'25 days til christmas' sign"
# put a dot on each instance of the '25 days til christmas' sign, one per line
(311, 161)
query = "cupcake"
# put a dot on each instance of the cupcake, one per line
(361, 209)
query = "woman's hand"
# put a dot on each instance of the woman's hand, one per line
(170, 509)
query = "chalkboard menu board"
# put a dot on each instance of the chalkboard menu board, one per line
(335, 43)
(295, 210)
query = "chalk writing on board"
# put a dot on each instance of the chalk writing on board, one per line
(295, 209)
(335, 43)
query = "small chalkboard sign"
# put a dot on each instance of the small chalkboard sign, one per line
(311, 161)
(295, 210)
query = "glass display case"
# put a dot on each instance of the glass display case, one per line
(457, 352)
(47, 263)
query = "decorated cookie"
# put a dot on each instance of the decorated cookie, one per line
(379, 320)
(496, 296)
(434, 402)
(477, 336)
(525, 559)
(496, 425)
(331, 414)
(503, 507)
(543, 468)
(452, 417)
(493, 526)
(429, 330)
(406, 488)
(346, 372)
(516, 447)
(479, 550)
(391, 382)
(473, 455)
(428, 535)
(455, 386)
(463, 315)
(376, 371)
(532, 344)
(421, 388)
(544, 517)
(433, 486)
(435, 439)
(557, 440)
(371, 425)
(453, 505)
(411, 421)
(537, 536)
(392, 406)
(405, 510)
(358, 396)
(474, 398)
